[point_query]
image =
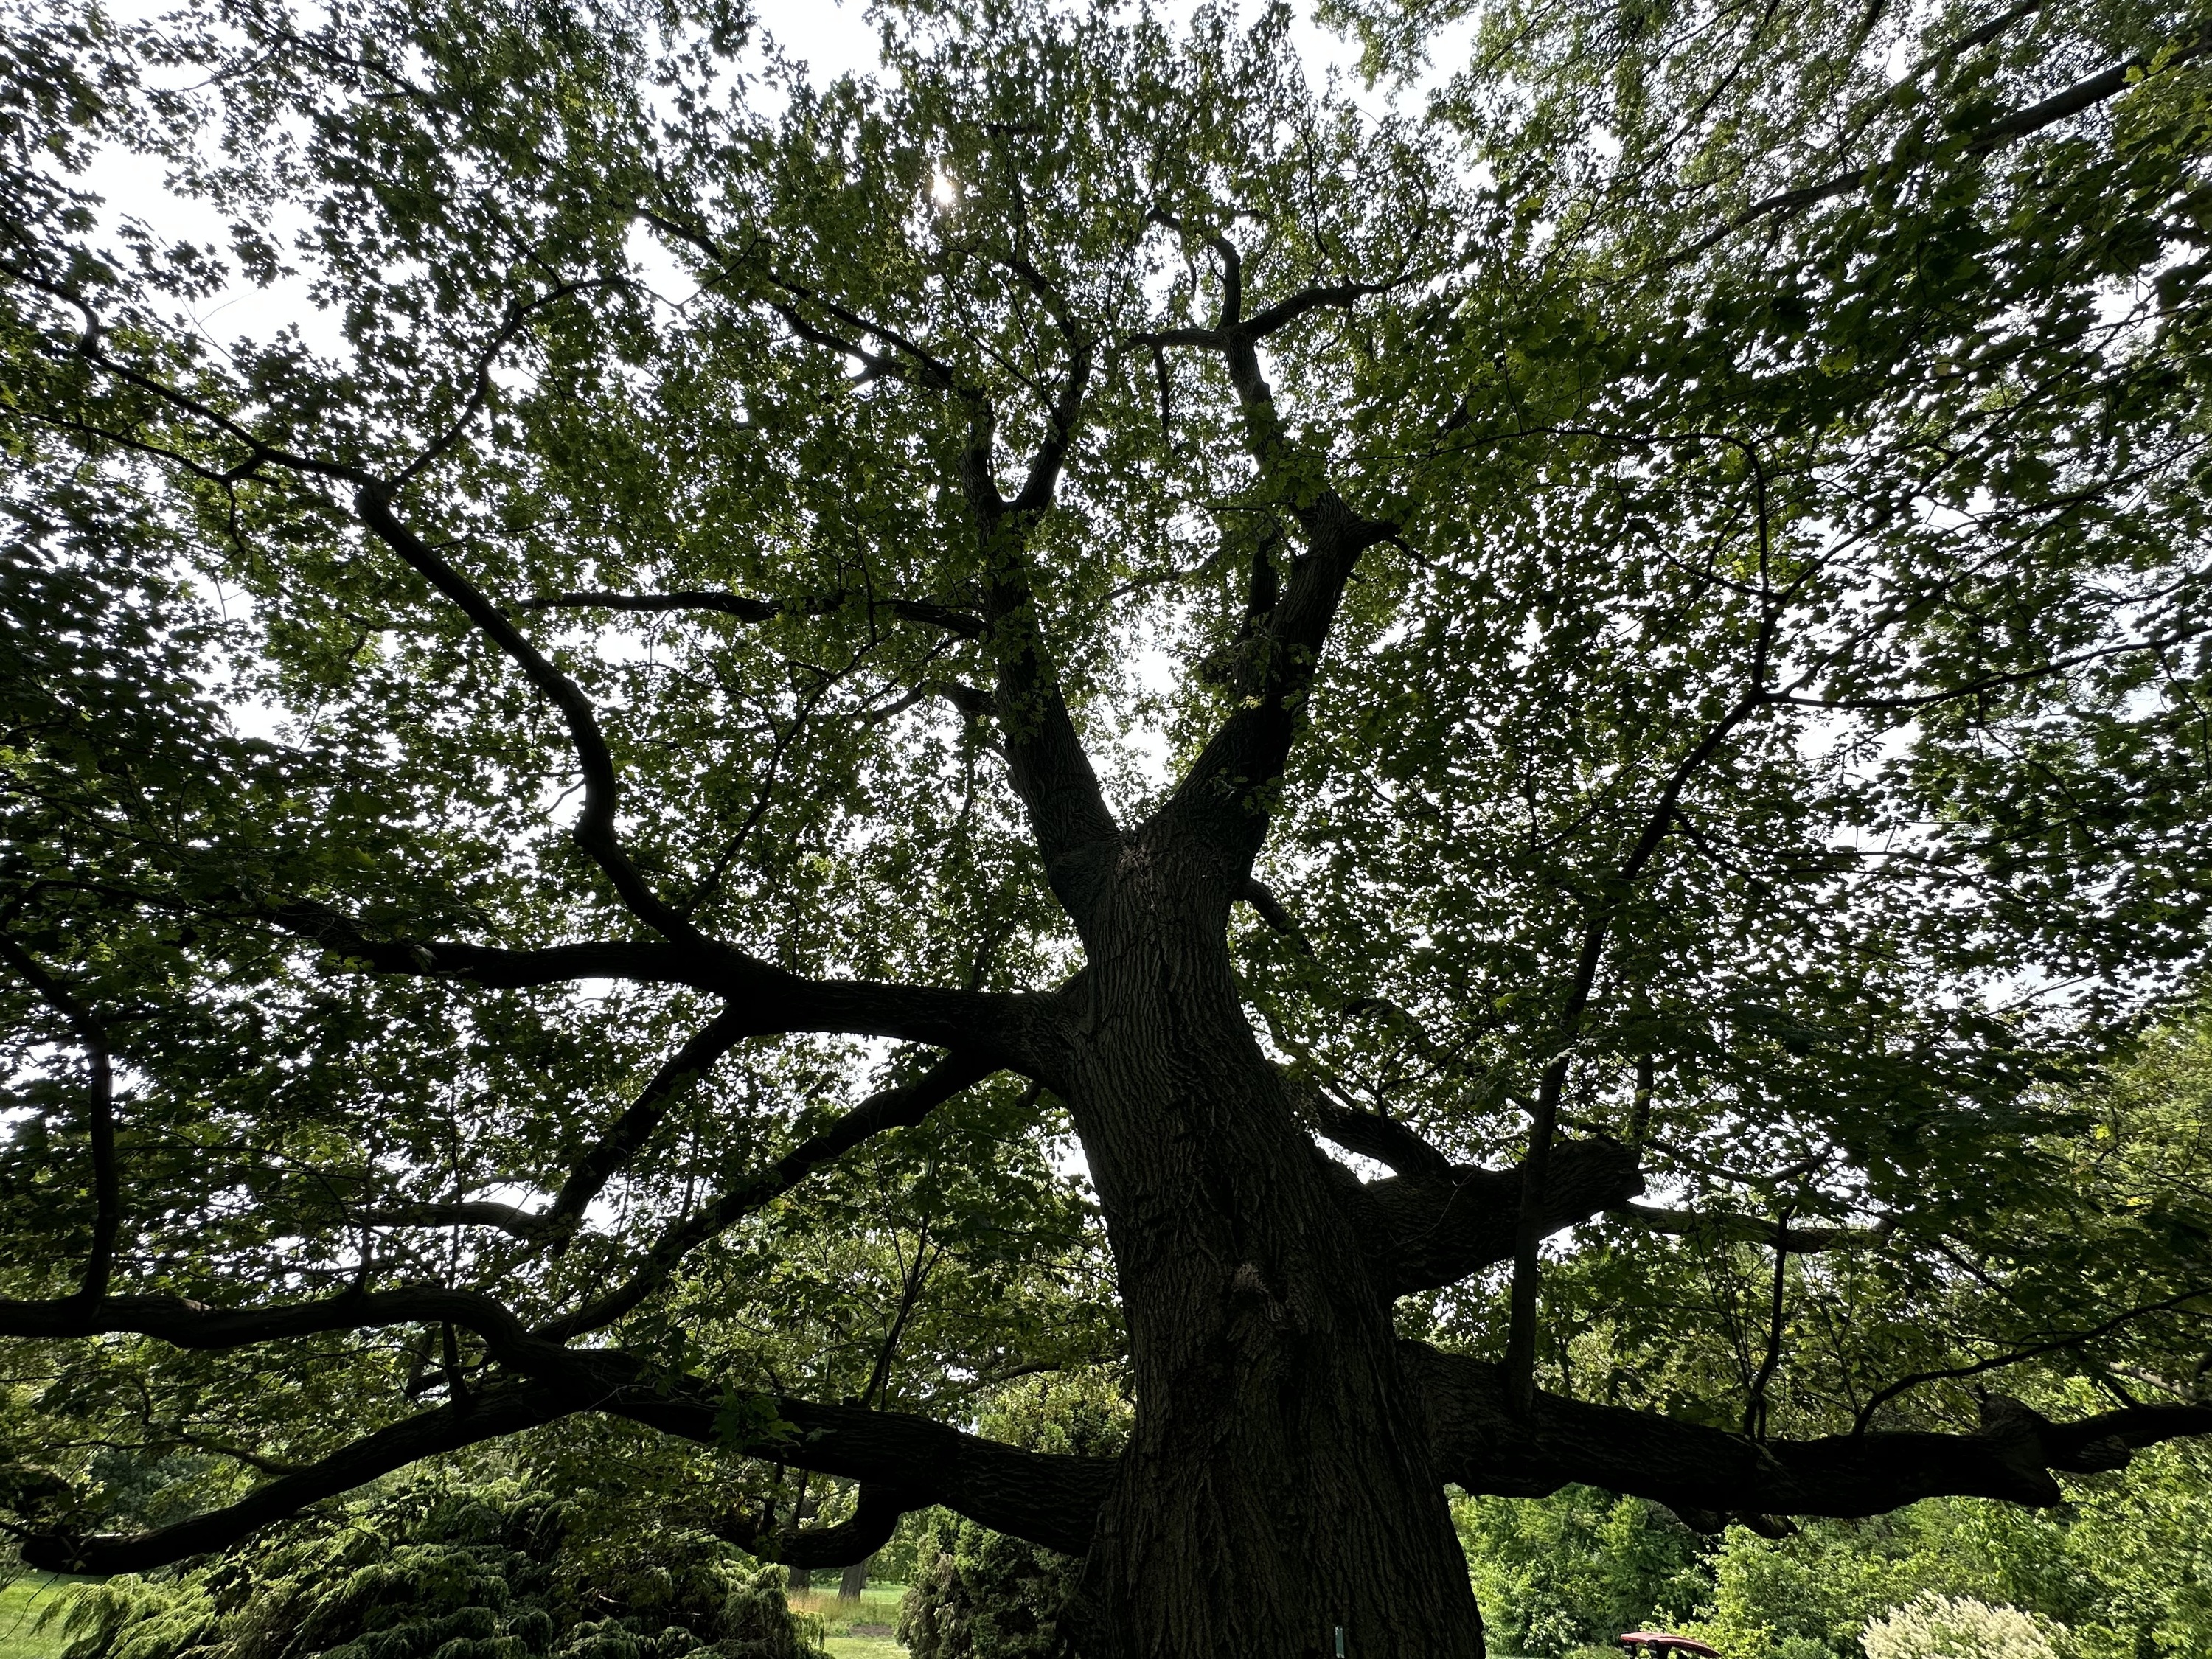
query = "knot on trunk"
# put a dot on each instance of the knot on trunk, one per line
(1248, 1287)
(2016, 1433)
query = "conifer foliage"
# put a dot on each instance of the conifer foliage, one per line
(444, 1570)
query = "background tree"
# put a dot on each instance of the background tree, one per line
(1084, 587)
(2120, 1565)
(1577, 1569)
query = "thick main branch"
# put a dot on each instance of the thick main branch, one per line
(1021, 1028)
(1486, 1446)
(1225, 794)
(1436, 1229)
(1049, 1500)
(490, 1415)
(1478, 1443)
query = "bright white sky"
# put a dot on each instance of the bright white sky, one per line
(832, 37)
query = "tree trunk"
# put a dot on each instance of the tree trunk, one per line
(1277, 1487)
(855, 1580)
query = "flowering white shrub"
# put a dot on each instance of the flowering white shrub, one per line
(1932, 1627)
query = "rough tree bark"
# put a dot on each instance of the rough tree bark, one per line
(1278, 1486)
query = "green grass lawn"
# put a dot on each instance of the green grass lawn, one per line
(875, 1616)
(863, 1647)
(21, 1601)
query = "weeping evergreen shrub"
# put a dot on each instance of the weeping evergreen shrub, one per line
(437, 1571)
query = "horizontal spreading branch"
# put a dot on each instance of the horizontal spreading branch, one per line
(1486, 1447)
(1434, 1230)
(187, 1324)
(1049, 1500)
(1792, 1237)
(1478, 1443)
(490, 1415)
(745, 608)
(1385, 1140)
(530, 1226)
(2055, 1344)
(183, 1323)
(1022, 1029)
(869, 1529)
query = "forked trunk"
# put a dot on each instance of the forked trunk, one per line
(1278, 1490)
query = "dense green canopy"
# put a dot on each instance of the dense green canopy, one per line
(563, 603)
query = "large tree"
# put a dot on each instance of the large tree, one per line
(727, 659)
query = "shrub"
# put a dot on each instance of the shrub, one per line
(985, 1595)
(440, 1571)
(1959, 1627)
